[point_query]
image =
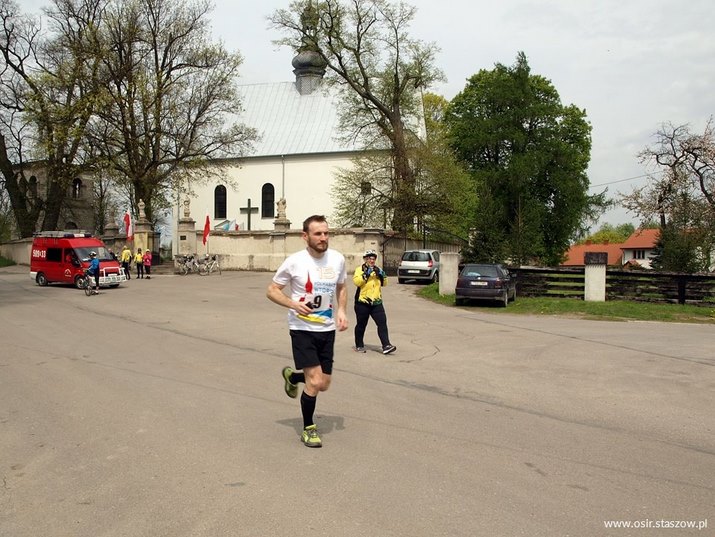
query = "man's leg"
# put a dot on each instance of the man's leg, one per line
(362, 314)
(380, 317)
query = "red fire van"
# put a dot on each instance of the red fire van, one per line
(63, 256)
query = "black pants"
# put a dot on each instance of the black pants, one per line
(364, 312)
(140, 270)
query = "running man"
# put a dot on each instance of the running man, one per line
(316, 279)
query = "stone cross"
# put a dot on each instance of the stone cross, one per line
(249, 210)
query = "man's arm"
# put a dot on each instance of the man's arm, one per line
(342, 316)
(275, 294)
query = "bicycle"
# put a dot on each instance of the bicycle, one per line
(188, 263)
(210, 265)
(87, 283)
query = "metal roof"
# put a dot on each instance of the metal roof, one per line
(289, 123)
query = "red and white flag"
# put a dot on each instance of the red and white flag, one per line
(207, 227)
(128, 226)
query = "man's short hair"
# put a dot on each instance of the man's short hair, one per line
(315, 218)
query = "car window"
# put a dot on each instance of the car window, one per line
(435, 255)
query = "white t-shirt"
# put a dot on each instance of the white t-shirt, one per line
(313, 280)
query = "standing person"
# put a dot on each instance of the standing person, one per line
(147, 263)
(126, 259)
(370, 279)
(317, 305)
(139, 262)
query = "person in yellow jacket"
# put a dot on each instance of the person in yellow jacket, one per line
(139, 262)
(370, 279)
(125, 259)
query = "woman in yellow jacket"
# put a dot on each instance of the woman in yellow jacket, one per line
(370, 279)
(138, 261)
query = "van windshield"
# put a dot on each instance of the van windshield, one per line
(102, 253)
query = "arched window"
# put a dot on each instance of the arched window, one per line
(268, 201)
(77, 188)
(220, 202)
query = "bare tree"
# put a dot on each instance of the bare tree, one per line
(170, 96)
(49, 85)
(381, 70)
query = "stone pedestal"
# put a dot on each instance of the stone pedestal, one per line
(595, 276)
(281, 224)
(448, 272)
(144, 236)
(186, 240)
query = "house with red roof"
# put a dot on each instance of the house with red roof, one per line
(577, 252)
(636, 250)
(640, 247)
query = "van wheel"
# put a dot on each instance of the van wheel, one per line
(41, 279)
(435, 278)
(401, 280)
(79, 282)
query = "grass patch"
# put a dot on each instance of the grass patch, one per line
(6, 262)
(611, 310)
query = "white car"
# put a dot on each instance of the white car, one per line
(419, 265)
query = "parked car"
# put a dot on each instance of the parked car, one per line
(420, 265)
(485, 281)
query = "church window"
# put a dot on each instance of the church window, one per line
(268, 201)
(220, 202)
(77, 188)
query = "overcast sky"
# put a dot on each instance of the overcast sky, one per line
(631, 64)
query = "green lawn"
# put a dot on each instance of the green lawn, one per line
(612, 310)
(6, 262)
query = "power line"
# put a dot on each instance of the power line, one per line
(624, 180)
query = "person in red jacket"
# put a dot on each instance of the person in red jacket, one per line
(147, 263)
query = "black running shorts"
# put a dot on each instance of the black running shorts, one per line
(312, 349)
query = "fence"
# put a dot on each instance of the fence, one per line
(697, 289)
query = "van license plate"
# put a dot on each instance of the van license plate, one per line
(480, 283)
(413, 272)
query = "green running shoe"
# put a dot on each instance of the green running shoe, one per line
(290, 388)
(310, 436)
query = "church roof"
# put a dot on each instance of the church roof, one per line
(289, 123)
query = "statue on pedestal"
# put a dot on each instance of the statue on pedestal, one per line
(187, 211)
(142, 214)
(281, 206)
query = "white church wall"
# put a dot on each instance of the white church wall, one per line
(304, 180)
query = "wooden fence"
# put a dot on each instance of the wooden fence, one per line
(697, 289)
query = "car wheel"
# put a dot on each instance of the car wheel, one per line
(504, 299)
(435, 278)
(458, 301)
(401, 280)
(41, 279)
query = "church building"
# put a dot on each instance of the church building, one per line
(295, 158)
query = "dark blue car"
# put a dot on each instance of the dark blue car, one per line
(485, 281)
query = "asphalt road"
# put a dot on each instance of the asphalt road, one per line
(157, 409)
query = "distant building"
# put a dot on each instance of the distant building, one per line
(77, 211)
(299, 152)
(575, 255)
(639, 248)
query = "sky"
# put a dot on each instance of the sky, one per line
(631, 64)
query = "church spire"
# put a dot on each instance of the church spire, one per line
(308, 65)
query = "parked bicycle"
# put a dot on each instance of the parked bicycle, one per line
(187, 264)
(210, 265)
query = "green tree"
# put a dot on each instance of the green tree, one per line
(381, 70)
(610, 233)
(443, 193)
(528, 155)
